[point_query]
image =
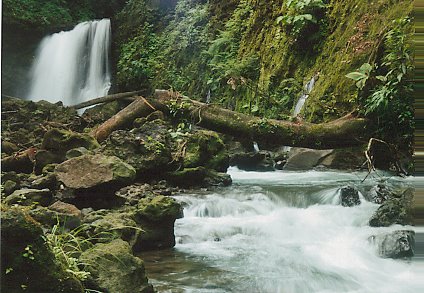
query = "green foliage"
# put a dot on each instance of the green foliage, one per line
(137, 65)
(390, 101)
(361, 75)
(301, 17)
(67, 247)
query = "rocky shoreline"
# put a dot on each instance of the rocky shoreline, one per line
(74, 212)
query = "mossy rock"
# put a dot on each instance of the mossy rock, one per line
(103, 112)
(198, 177)
(205, 148)
(395, 210)
(159, 208)
(28, 265)
(146, 148)
(114, 269)
(61, 141)
(28, 197)
(89, 171)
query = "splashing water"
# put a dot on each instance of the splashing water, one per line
(73, 66)
(306, 91)
(279, 232)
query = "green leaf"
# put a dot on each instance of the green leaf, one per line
(381, 77)
(356, 75)
(365, 68)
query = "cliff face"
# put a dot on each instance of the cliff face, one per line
(256, 56)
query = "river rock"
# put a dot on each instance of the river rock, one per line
(9, 187)
(89, 171)
(398, 244)
(113, 268)
(305, 159)
(349, 196)
(73, 153)
(205, 148)
(44, 158)
(251, 161)
(47, 181)
(59, 213)
(28, 265)
(27, 197)
(157, 216)
(344, 158)
(8, 147)
(395, 210)
(198, 177)
(379, 194)
(146, 148)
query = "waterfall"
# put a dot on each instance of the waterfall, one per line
(306, 91)
(73, 66)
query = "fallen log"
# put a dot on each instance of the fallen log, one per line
(344, 132)
(105, 99)
(138, 108)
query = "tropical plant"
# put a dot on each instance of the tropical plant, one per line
(361, 75)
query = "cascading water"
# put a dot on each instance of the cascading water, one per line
(280, 232)
(73, 66)
(302, 99)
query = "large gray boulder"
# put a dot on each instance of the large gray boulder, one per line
(89, 171)
(398, 244)
(305, 159)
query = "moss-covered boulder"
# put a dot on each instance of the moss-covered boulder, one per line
(157, 216)
(90, 171)
(59, 213)
(61, 141)
(28, 265)
(27, 197)
(146, 148)
(113, 268)
(198, 177)
(205, 148)
(395, 210)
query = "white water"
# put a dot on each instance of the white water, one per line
(302, 99)
(73, 66)
(280, 232)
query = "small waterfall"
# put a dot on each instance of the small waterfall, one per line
(73, 66)
(306, 91)
(256, 147)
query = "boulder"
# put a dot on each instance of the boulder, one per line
(349, 196)
(157, 216)
(8, 147)
(60, 141)
(146, 148)
(395, 210)
(73, 153)
(47, 181)
(89, 171)
(305, 159)
(198, 177)
(103, 112)
(59, 213)
(113, 268)
(28, 264)
(27, 197)
(205, 148)
(398, 244)
(9, 187)
(379, 194)
(44, 158)
(344, 158)
(251, 161)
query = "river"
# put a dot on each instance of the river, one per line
(280, 232)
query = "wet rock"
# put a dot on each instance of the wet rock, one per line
(133, 193)
(61, 141)
(205, 148)
(260, 161)
(157, 216)
(114, 269)
(398, 244)
(28, 265)
(27, 197)
(349, 196)
(146, 148)
(90, 171)
(395, 210)
(198, 177)
(305, 159)
(344, 158)
(379, 194)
